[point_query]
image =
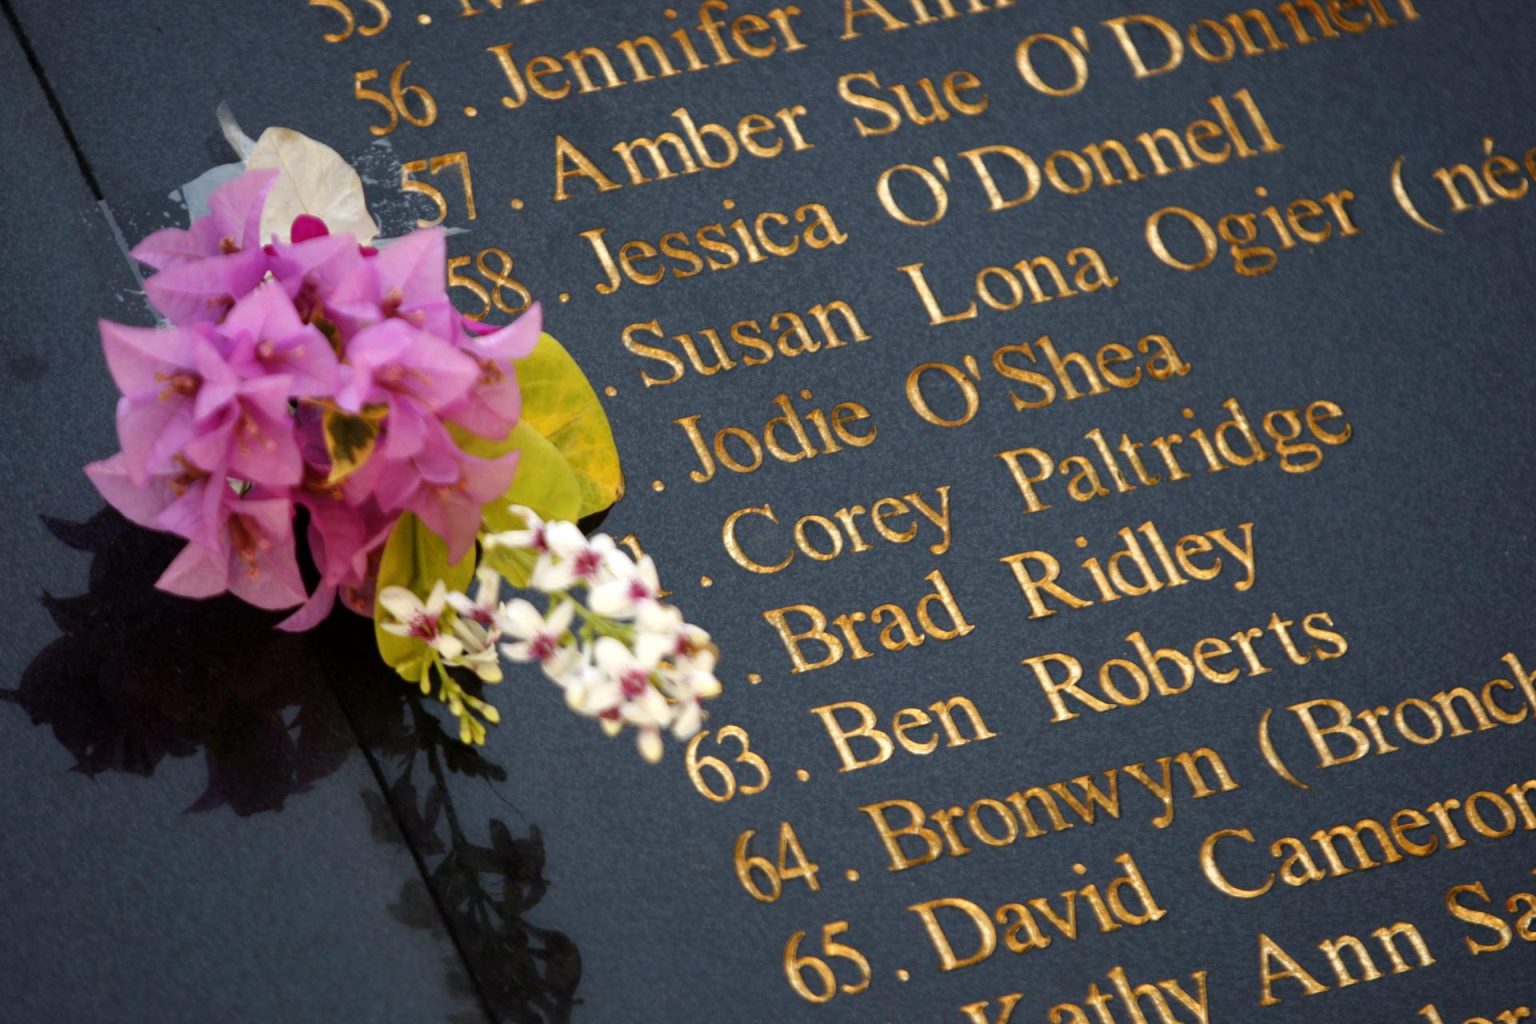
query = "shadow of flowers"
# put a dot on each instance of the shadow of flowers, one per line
(138, 676)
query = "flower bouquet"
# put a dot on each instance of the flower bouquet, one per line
(308, 381)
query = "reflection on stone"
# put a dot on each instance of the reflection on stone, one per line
(139, 676)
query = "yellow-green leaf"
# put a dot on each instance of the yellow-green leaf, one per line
(559, 403)
(350, 440)
(414, 558)
(545, 482)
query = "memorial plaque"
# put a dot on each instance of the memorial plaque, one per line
(1100, 437)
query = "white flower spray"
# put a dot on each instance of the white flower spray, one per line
(617, 651)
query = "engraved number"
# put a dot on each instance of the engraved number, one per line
(469, 284)
(498, 281)
(411, 102)
(349, 20)
(431, 166)
(374, 96)
(722, 773)
(501, 280)
(822, 984)
(792, 865)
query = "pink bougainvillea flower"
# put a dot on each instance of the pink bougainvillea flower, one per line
(253, 556)
(310, 269)
(193, 511)
(514, 341)
(338, 535)
(307, 226)
(343, 539)
(413, 281)
(144, 358)
(449, 509)
(234, 211)
(315, 610)
(206, 267)
(140, 503)
(393, 358)
(184, 503)
(250, 433)
(491, 408)
(406, 280)
(160, 373)
(414, 373)
(233, 224)
(232, 416)
(265, 336)
(204, 291)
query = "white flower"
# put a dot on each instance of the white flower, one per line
(592, 692)
(530, 538)
(687, 682)
(693, 681)
(576, 559)
(632, 672)
(635, 594)
(629, 661)
(699, 674)
(483, 663)
(641, 704)
(420, 621)
(476, 623)
(688, 721)
(648, 740)
(539, 638)
(689, 658)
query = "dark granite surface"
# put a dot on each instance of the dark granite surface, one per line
(120, 903)
(187, 834)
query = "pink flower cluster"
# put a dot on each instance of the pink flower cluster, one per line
(225, 411)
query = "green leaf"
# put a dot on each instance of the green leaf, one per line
(559, 403)
(350, 440)
(545, 482)
(414, 558)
